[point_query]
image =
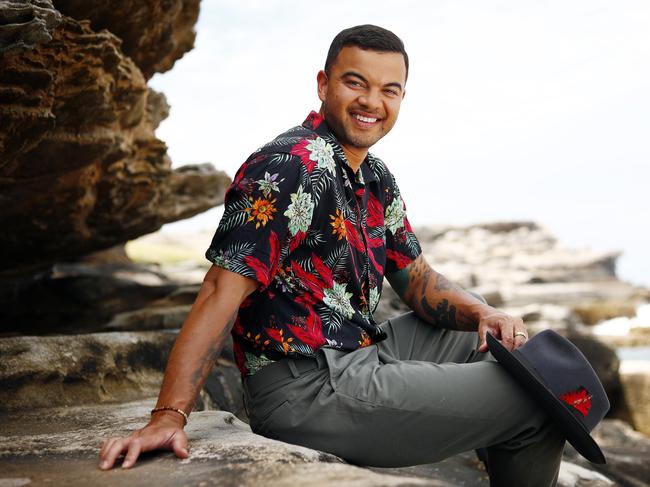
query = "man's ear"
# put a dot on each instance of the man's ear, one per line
(322, 80)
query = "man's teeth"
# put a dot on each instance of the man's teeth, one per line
(365, 119)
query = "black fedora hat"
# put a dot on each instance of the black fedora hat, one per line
(562, 381)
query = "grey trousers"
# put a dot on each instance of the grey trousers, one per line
(418, 397)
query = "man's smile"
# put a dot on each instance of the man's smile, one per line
(365, 121)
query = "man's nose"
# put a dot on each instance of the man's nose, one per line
(371, 99)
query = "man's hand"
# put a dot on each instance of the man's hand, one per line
(195, 351)
(164, 432)
(509, 330)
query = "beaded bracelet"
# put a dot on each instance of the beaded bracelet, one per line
(170, 408)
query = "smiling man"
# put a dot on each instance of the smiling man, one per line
(313, 223)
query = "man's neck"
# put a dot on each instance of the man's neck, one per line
(355, 156)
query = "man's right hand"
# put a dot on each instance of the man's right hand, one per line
(164, 432)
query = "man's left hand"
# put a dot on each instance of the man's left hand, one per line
(510, 331)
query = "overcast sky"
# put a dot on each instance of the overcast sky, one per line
(514, 110)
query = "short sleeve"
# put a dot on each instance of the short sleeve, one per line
(267, 205)
(402, 246)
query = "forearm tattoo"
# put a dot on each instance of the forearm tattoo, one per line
(210, 357)
(427, 292)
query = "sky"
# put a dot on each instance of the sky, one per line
(514, 109)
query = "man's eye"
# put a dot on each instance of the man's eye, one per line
(391, 92)
(354, 83)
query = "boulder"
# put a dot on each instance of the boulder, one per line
(80, 167)
(635, 382)
(38, 372)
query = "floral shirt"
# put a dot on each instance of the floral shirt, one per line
(318, 238)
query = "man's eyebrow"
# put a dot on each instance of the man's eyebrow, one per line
(357, 75)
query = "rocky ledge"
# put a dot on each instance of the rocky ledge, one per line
(64, 443)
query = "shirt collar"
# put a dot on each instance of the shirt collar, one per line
(317, 123)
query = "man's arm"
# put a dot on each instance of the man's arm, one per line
(192, 357)
(440, 302)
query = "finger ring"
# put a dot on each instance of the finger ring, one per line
(522, 334)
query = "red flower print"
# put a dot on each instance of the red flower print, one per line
(278, 336)
(260, 268)
(375, 212)
(308, 280)
(324, 272)
(400, 260)
(312, 335)
(274, 256)
(300, 150)
(353, 236)
(296, 240)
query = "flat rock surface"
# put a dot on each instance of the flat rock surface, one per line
(60, 447)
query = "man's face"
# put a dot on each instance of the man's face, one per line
(362, 95)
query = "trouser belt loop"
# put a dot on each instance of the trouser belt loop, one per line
(293, 368)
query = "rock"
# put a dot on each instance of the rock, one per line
(67, 370)
(87, 297)
(80, 167)
(64, 445)
(103, 367)
(62, 448)
(635, 382)
(524, 264)
(626, 451)
(572, 475)
(163, 318)
(25, 23)
(624, 331)
(154, 33)
(157, 107)
(598, 311)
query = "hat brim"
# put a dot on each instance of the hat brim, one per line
(575, 431)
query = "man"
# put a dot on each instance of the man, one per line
(312, 224)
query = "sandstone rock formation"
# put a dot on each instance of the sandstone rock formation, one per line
(80, 166)
(154, 34)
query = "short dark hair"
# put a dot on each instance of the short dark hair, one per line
(367, 37)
